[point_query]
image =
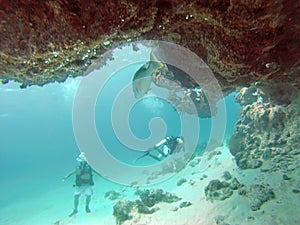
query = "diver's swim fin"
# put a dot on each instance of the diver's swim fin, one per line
(142, 156)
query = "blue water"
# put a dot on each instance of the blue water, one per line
(37, 137)
(140, 115)
(38, 146)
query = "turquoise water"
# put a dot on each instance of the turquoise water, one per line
(140, 115)
(37, 137)
(38, 146)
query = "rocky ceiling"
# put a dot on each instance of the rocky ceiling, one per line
(241, 40)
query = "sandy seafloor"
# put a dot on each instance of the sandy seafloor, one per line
(54, 206)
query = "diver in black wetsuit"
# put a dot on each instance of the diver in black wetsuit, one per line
(164, 148)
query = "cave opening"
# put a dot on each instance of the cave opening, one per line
(38, 139)
(40, 118)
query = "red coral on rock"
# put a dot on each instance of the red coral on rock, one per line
(242, 41)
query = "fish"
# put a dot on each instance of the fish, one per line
(143, 78)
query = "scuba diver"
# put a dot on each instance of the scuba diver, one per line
(164, 148)
(83, 182)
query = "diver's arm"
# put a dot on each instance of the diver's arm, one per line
(69, 174)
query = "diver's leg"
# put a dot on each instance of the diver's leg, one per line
(159, 151)
(88, 194)
(87, 203)
(154, 157)
(76, 202)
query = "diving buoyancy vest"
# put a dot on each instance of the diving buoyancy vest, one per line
(84, 175)
(171, 143)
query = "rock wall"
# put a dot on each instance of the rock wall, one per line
(242, 41)
(268, 130)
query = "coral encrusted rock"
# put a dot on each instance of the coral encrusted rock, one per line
(257, 194)
(217, 190)
(126, 210)
(242, 41)
(122, 211)
(268, 128)
(154, 196)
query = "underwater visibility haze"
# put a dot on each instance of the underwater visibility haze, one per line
(38, 147)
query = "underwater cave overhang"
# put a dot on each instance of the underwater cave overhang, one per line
(242, 42)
